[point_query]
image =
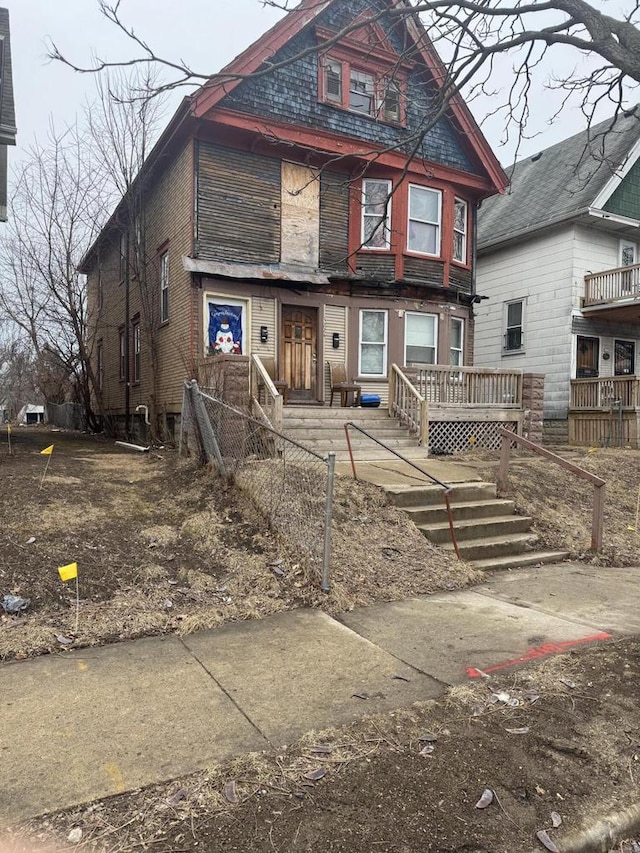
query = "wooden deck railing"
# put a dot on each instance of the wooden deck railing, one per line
(605, 392)
(408, 405)
(612, 285)
(509, 438)
(468, 386)
(265, 398)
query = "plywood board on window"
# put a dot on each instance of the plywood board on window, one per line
(300, 215)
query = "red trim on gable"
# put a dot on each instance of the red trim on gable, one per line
(319, 142)
(255, 55)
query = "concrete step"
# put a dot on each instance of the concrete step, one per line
(474, 529)
(517, 561)
(495, 546)
(472, 509)
(420, 496)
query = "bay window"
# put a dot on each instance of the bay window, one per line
(372, 355)
(425, 215)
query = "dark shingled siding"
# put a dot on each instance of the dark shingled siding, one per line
(291, 95)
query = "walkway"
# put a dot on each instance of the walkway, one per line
(96, 722)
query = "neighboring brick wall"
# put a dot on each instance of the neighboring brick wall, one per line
(532, 402)
(291, 95)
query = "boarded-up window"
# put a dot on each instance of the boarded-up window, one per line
(300, 215)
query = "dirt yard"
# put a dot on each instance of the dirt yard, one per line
(161, 547)
(556, 745)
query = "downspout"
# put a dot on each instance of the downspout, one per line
(127, 352)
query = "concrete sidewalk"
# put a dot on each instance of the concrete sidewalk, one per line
(91, 723)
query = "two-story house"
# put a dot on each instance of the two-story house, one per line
(305, 207)
(558, 261)
(7, 111)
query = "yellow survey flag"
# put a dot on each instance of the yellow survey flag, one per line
(47, 451)
(68, 573)
(8, 429)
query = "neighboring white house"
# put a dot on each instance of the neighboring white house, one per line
(558, 261)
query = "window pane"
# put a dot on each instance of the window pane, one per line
(376, 196)
(372, 359)
(361, 92)
(459, 246)
(514, 314)
(628, 254)
(460, 216)
(333, 81)
(455, 334)
(424, 204)
(375, 233)
(373, 327)
(423, 238)
(391, 108)
(421, 330)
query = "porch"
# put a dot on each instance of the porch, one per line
(605, 411)
(442, 409)
(613, 294)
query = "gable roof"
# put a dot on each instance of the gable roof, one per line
(562, 182)
(256, 55)
(7, 110)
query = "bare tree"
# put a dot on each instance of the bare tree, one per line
(472, 36)
(56, 212)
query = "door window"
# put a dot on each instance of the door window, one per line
(588, 357)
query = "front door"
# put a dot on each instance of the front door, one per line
(299, 351)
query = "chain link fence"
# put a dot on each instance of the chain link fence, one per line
(289, 484)
(66, 415)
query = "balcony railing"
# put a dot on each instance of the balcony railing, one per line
(605, 393)
(612, 285)
(468, 386)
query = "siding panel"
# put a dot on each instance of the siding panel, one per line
(334, 221)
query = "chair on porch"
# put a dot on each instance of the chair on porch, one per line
(338, 384)
(269, 364)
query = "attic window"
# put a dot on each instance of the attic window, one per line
(362, 90)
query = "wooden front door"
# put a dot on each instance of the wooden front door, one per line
(299, 361)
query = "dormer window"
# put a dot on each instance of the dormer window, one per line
(360, 90)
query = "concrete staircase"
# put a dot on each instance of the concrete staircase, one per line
(490, 535)
(321, 429)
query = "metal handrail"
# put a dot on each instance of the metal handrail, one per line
(447, 489)
(509, 437)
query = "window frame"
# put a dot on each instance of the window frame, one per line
(136, 348)
(465, 234)
(164, 287)
(382, 83)
(630, 343)
(384, 343)
(460, 349)
(598, 353)
(122, 332)
(434, 317)
(506, 349)
(386, 227)
(627, 244)
(371, 94)
(438, 225)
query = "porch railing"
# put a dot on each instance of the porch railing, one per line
(468, 386)
(612, 285)
(408, 405)
(266, 400)
(604, 393)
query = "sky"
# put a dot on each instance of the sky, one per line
(206, 33)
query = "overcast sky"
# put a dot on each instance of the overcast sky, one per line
(206, 33)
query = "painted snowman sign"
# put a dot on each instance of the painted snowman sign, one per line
(224, 341)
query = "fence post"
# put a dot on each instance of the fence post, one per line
(598, 517)
(328, 515)
(207, 434)
(503, 470)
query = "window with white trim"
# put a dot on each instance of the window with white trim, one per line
(514, 323)
(164, 287)
(628, 253)
(136, 351)
(425, 215)
(456, 342)
(460, 231)
(420, 338)
(376, 214)
(372, 350)
(123, 354)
